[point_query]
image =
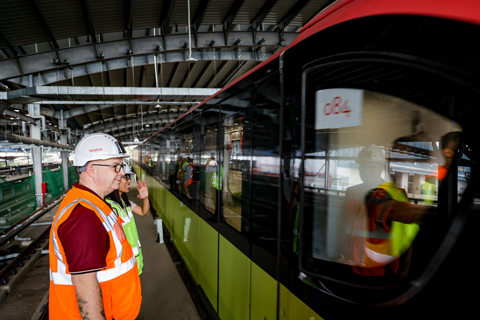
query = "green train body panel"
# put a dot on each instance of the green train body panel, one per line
(234, 283)
(208, 262)
(263, 295)
(293, 308)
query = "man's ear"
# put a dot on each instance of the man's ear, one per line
(90, 170)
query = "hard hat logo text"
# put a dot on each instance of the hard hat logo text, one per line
(96, 150)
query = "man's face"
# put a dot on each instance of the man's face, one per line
(370, 172)
(105, 177)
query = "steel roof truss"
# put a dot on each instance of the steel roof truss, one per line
(115, 55)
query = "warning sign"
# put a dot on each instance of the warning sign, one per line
(338, 108)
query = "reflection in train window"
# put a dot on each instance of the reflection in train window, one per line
(185, 169)
(210, 175)
(373, 173)
(232, 171)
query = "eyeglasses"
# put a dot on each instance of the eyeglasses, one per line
(118, 167)
(128, 177)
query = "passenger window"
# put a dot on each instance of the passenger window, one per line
(210, 176)
(231, 170)
(374, 166)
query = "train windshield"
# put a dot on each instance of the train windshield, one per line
(373, 171)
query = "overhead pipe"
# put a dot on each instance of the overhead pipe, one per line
(44, 124)
(116, 102)
(190, 58)
(24, 128)
(13, 138)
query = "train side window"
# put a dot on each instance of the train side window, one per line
(209, 185)
(231, 171)
(375, 170)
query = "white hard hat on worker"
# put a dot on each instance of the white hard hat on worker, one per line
(98, 158)
(97, 146)
(371, 161)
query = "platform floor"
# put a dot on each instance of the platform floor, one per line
(164, 294)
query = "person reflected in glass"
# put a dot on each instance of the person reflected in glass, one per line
(124, 208)
(448, 145)
(214, 181)
(381, 221)
(189, 176)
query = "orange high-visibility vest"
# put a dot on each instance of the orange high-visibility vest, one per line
(190, 180)
(378, 248)
(119, 281)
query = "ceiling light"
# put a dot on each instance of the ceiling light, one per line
(147, 126)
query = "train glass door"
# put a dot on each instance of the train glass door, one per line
(381, 178)
(231, 171)
(210, 175)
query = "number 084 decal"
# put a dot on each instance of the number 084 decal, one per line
(338, 108)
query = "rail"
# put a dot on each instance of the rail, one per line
(15, 229)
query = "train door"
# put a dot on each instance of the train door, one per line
(234, 184)
(209, 165)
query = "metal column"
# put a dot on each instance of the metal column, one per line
(35, 133)
(63, 140)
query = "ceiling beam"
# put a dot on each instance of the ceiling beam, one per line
(142, 75)
(40, 94)
(232, 14)
(188, 74)
(128, 17)
(12, 49)
(262, 14)
(109, 78)
(14, 53)
(291, 14)
(40, 16)
(202, 73)
(200, 14)
(166, 14)
(232, 73)
(214, 76)
(88, 20)
(84, 59)
(173, 74)
(130, 132)
(108, 126)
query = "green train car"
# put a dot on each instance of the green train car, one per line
(298, 190)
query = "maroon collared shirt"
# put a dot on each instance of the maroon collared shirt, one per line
(84, 239)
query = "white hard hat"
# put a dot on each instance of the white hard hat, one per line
(97, 146)
(371, 154)
(127, 169)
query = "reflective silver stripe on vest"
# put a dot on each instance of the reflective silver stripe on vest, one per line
(61, 276)
(136, 250)
(102, 276)
(110, 274)
(378, 234)
(379, 257)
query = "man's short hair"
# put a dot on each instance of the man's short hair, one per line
(446, 139)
